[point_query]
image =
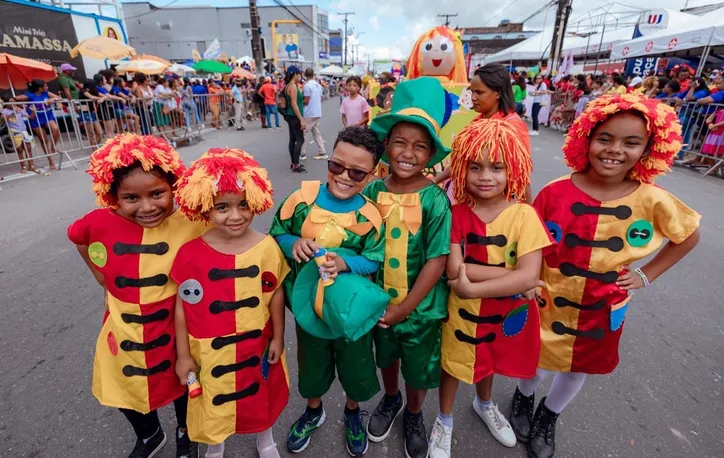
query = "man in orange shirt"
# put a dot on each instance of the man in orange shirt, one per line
(215, 96)
(269, 92)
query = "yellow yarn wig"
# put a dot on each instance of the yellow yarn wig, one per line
(503, 143)
(223, 170)
(458, 75)
(124, 150)
(662, 125)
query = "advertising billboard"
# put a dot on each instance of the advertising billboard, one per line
(287, 47)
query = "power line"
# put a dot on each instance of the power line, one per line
(153, 10)
(345, 33)
(498, 14)
(296, 16)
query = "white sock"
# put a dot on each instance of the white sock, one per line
(217, 449)
(484, 405)
(264, 439)
(145, 441)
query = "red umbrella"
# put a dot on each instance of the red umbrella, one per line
(17, 71)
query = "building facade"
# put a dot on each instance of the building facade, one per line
(173, 33)
(483, 41)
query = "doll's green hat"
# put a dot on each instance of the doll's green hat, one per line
(421, 101)
(350, 308)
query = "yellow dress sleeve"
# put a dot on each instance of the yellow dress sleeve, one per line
(673, 218)
(533, 235)
(277, 260)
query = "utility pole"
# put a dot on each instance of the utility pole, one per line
(563, 11)
(345, 34)
(256, 50)
(447, 18)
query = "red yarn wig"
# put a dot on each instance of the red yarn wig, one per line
(662, 125)
(223, 170)
(503, 143)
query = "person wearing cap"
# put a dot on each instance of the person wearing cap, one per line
(67, 83)
(417, 243)
(334, 216)
(636, 85)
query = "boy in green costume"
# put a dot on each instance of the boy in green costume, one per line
(334, 215)
(417, 240)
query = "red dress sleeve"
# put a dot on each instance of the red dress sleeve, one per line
(458, 222)
(80, 231)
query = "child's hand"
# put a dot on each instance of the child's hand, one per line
(276, 347)
(629, 279)
(303, 250)
(534, 292)
(462, 285)
(392, 316)
(184, 365)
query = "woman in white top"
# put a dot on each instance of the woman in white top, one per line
(540, 90)
(164, 98)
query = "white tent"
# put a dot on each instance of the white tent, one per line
(537, 47)
(331, 70)
(697, 32)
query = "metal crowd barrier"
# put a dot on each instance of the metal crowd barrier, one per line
(705, 146)
(71, 130)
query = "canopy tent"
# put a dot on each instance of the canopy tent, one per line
(697, 32)
(537, 47)
(331, 70)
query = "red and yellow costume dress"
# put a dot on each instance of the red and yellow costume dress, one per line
(226, 304)
(135, 352)
(493, 335)
(583, 310)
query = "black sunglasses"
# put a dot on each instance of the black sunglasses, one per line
(356, 175)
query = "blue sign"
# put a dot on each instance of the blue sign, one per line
(323, 55)
(641, 66)
(466, 49)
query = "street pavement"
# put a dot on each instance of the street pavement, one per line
(664, 400)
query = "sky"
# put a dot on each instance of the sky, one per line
(387, 29)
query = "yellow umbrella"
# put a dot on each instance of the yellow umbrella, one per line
(150, 57)
(147, 67)
(102, 48)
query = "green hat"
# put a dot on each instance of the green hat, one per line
(420, 101)
(352, 304)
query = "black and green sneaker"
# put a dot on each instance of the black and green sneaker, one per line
(355, 432)
(301, 433)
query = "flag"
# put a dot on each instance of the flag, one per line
(214, 51)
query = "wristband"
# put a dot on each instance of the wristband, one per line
(643, 277)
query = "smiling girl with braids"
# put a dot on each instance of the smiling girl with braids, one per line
(495, 255)
(230, 308)
(129, 246)
(604, 216)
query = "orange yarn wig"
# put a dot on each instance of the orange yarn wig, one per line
(437, 41)
(503, 143)
(223, 170)
(662, 125)
(124, 150)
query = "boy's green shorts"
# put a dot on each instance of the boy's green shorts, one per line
(354, 362)
(418, 347)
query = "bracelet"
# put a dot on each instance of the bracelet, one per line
(643, 277)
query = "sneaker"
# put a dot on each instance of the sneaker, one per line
(355, 433)
(303, 157)
(184, 447)
(320, 157)
(278, 127)
(302, 430)
(415, 435)
(150, 448)
(299, 169)
(440, 440)
(241, 128)
(380, 424)
(497, 424)
(521, 415)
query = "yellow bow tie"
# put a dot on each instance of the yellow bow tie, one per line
(333, 224)
(408, 205)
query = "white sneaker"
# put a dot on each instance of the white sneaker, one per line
(303, 157)
(440, 440)
(497, 424)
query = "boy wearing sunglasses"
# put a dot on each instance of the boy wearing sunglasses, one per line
(334, 215)
(417, 240)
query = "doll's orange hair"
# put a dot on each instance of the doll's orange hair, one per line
(662, 125)
(503, 143)
(414, 62)
(124, 150)
(223, 170)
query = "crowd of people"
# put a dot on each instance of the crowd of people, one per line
(443, 284)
